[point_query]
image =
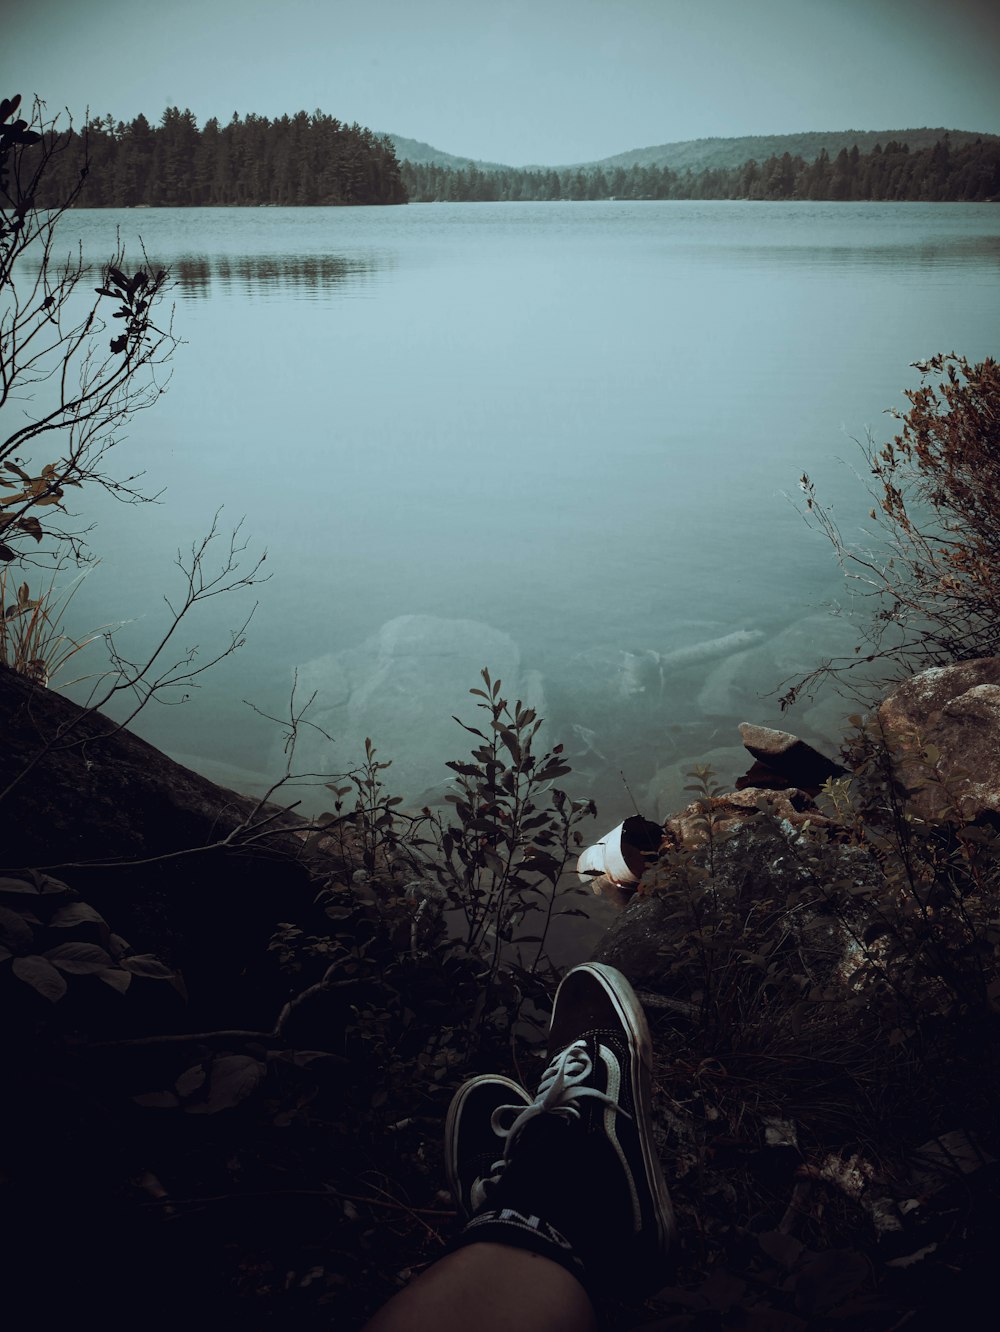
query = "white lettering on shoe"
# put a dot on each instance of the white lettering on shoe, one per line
(507, 1216)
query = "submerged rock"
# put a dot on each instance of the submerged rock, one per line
(750, 682)
(647, 671)
(401, 688)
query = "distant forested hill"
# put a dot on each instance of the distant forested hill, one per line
(299, 159)
(725, 154)
(708, 154)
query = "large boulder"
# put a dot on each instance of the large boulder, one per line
(956, 710)
(402, 689)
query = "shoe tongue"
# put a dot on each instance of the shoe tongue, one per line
(545, 1154)
(545, 1137)
(590, 1051)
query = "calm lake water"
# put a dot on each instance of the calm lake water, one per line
(581, 425)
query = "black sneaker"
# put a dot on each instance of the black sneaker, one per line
(582, 1155)
(474, 1138)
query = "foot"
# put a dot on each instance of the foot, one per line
(474, 1140)
(582, 1153)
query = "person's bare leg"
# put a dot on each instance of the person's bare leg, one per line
(491, 1288)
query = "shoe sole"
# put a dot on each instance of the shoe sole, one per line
(451, 1125)
(633, 1020)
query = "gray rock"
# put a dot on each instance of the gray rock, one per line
(788, 757)
(956, 709)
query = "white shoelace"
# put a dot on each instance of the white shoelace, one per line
(559, 1092)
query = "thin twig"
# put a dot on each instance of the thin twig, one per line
(415, 1212)
(329, 1193)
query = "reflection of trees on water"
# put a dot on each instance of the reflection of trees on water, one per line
(195, 275)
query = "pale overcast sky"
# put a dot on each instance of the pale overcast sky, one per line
(519, 81)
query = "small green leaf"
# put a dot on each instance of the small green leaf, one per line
(14, 932)
(75, 913)
(302, 1058)
(782, 1248)
(79, 959)
(190, 1080)
(118, 980)
(41, 976)
(232, 1079)
(144, 964)
(19, 886)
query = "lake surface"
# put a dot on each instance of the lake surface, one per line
(579, 424)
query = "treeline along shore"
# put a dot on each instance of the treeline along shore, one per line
(315, 159)
(891, 172)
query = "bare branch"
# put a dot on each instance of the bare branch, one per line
(73, 393)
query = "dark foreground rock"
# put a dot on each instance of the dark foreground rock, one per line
(181, 867)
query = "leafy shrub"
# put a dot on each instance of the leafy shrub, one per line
(831, 1019)
(934, 568)
(447, 917)
(50, 936)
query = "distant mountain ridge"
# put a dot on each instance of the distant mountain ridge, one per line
(413, 150)
(709, 154)
(716, 153)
